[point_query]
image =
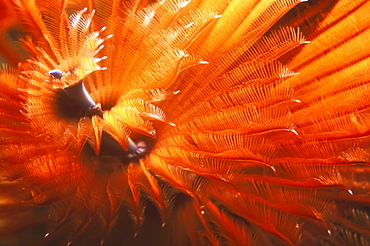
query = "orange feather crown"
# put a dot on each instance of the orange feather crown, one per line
(186, 122)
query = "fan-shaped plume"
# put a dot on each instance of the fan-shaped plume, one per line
(180, 122)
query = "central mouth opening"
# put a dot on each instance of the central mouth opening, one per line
(74, 102)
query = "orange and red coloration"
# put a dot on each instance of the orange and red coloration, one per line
(186, 123)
